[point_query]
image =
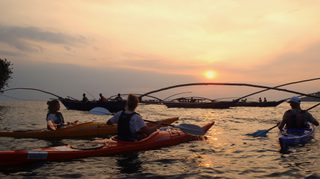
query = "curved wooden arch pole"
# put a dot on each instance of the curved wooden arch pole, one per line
(228, 84)
(285, 84)
(32, 89)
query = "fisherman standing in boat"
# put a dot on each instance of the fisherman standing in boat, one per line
(296, 118)
(131, 126)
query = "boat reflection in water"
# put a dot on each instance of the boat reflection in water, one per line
(129, 163)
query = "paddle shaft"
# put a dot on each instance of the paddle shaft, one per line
(312, 107)
(272, 128)
(159, 123)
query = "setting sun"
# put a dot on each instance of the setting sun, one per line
(210, 74)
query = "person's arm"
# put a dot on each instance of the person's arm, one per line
(149, 130)
(284, 121)
(114, 119)
(145, 130)
(109, 122)
(51, 125)
(312, 120)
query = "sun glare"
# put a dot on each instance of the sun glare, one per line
(210, 74)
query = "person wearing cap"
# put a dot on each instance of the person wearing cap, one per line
(296, 118)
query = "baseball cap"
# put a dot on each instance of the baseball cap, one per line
(294, 99)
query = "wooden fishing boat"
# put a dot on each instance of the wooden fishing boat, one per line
(112, 105)
(258, 104)
(198, 102)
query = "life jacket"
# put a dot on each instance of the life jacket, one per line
(296, 120)
(124, 132)
(59, 119)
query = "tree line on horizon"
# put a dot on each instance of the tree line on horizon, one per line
(5, 72)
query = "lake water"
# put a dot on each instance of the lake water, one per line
(227, 152)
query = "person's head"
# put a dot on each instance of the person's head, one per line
(84, 94)
(294, 102)
(100, 94)
(118, 94)
(132, 102)
(53, 105)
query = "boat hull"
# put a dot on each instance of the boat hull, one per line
(112, 106)
(259, 104)
(296, 137)
(205, 105)
(81, 130)
(220, 104)
(158, 139)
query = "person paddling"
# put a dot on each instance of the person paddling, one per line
(55, 118)
(296, 118)
(131, 126)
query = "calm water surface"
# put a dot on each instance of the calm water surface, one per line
(227, 153)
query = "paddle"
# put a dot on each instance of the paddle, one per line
(186, 128)
(263, 133)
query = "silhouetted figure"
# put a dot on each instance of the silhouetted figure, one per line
(265, 99)
(102, 98)
(244, 100)
(260, 100)
(118, 98)
(84, 98)
(192, 100)
(296, 118)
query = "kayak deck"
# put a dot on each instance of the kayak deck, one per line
(78, 131)
(295, 137)
(158, 139)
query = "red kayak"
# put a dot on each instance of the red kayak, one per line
(160, 138)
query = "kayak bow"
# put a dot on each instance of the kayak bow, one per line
(158, 139)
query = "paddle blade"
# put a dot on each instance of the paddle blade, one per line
(259, 133)
(99, 111)
(191, 129)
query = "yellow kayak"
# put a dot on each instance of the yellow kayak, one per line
(80, 130)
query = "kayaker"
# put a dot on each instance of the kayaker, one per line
(54, 117)
(131, 126)
(296, 118)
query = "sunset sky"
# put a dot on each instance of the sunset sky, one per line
(71, 47)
